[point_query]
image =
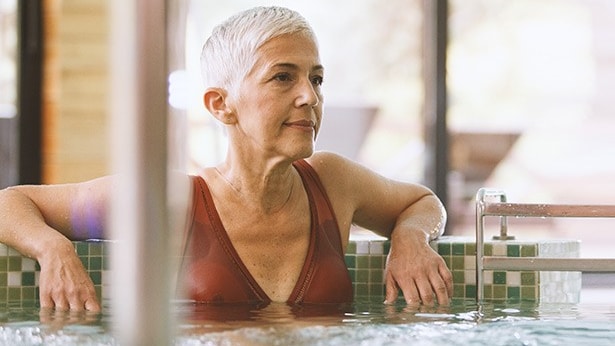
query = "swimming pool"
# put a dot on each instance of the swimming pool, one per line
(464, 322)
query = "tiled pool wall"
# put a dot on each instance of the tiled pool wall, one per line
(19, 275)
(365, 259)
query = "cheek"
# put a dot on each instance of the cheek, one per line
(318, 114)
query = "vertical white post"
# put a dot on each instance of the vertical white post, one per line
(140, 288)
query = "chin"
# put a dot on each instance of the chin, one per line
(305, 152)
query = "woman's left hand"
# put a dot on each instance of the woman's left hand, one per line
(419, 272)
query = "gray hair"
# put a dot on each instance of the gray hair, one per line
(229, 53)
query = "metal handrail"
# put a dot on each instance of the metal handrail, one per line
(503, 209)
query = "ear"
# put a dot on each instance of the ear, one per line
(214, 100)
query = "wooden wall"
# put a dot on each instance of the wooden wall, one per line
(75, 125)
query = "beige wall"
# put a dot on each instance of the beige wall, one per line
(75, 139)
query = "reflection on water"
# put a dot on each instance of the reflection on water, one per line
(365, 322)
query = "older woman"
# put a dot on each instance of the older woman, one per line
(271, 222)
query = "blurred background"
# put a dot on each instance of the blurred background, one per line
(529, 97)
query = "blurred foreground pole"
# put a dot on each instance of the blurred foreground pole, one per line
(435, 39)
(140, 289)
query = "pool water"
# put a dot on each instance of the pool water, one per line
(363, 323)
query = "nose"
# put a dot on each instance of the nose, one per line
(309, 94)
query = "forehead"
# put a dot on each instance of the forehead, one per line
(295, 49)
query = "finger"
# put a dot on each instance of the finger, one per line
(446, 275)
(391, 290)
(76, 303)
(93, 305)
(60, 303)
(426, 292)
(441, 290)
(45, 300)
(411, 293)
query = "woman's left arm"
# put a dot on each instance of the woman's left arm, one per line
(408, 214)
(412, 265)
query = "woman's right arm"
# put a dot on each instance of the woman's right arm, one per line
(40, 221)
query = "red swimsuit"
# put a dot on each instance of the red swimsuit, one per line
(212, 271)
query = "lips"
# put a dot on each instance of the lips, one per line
(308, 124)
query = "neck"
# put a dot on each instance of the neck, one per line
(266, 190)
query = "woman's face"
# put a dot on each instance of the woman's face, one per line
(279, 103)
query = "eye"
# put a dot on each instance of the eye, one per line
(317, 80)
(283, 77)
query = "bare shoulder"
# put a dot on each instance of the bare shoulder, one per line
(333, 169)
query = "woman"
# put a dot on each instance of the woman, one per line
(268, 224)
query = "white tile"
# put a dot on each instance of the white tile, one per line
(14, 279)
(470, 277)
(28, 265)
(362, 247)
(376, 248)
(469, 262)
(513, 278)
(488, 277)
(499, 249)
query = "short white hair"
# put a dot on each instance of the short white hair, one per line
(229, 53)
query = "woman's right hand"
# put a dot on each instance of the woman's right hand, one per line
(64, 283)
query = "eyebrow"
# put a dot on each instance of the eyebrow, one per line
(295, 67)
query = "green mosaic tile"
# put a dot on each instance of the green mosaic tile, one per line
(528, 293)
(28, 293)
(362, 262)
(488, 291)
(351, 261)
(82, 248)
(529, 250)
(459, 290)
(95, 263)
(353, 274)
(14, 293)
(351, 248)
(470, 291)
(458, 263)
(458, 249)
(499, 278)
(488, 249)
(499, 292)
(458, 276)
(4, 264)
(386, 247)
(362, 275)
(14, 263)
(376, 290)
(4, 279)
(470, 249)
(448, 261)
(96, 249)
(528, 278)
(444, 249)
(96, 277)
(84, 261)
(512, 250)
(361, 289)
(27, 279)
(3, 293)
(513, 292)
(376, 262)
(377, 276)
